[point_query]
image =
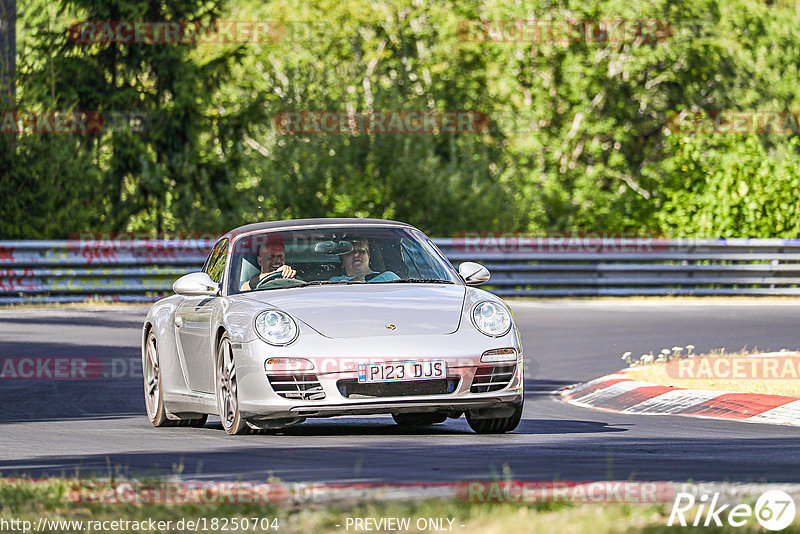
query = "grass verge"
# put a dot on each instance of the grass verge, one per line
(26, 500)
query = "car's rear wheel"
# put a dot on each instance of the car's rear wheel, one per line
(153, 393)
(153, 398)
(496, 425)
(419, 419)
(226, 386)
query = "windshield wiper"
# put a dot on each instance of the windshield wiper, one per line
(418, 281)
(302, 284)
(354, 282)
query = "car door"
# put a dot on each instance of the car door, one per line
(193, 327)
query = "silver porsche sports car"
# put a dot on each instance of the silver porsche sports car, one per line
(325, 317)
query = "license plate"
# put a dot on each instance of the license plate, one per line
(399, 371)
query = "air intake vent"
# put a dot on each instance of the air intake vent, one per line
(492, 378)
(350, 388)
(304, 386)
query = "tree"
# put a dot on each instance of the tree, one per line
(8, 51)
(175, 169)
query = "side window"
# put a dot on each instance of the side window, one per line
(208, 259)
(215, 265)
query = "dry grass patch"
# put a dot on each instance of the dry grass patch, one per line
(666, 374)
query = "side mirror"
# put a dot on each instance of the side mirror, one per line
(195, 285)
(474, 274)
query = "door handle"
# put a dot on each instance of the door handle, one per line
(178, 321)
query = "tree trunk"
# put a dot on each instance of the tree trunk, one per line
(8, 52)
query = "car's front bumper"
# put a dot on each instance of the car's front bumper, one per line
(335, 362)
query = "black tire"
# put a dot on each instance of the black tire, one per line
(496, 425)
(419, 419)
(225, 386)
(153, 395)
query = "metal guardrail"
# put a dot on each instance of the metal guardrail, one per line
(633, 266)
(77, 271)
(143, 271)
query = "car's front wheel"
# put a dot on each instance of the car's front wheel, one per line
(496, 425)
(419, 419)
(226, 388)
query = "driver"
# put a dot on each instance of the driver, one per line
(356, 265)
(271, 259)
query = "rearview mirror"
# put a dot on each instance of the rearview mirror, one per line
(474, 274)
(195, 285)
(333, 247)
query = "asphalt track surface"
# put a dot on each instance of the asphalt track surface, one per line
(68, 427)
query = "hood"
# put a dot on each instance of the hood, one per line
(349, 311)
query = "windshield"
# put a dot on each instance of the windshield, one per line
(341, 255)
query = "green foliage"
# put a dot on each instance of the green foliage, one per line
(178, 171)
(732, 188)
(599, 158)
(581, 139)
(382, 57)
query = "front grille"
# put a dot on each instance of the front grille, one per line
(304, 386)
(492, 377)
(351, 388)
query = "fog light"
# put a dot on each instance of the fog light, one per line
(499, 355)
(287, 364)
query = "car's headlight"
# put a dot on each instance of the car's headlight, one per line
(491, 318)
(276, 327)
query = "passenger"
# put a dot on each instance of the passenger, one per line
(356, 265)
(271, 259)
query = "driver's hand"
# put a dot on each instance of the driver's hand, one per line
(286, 271)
